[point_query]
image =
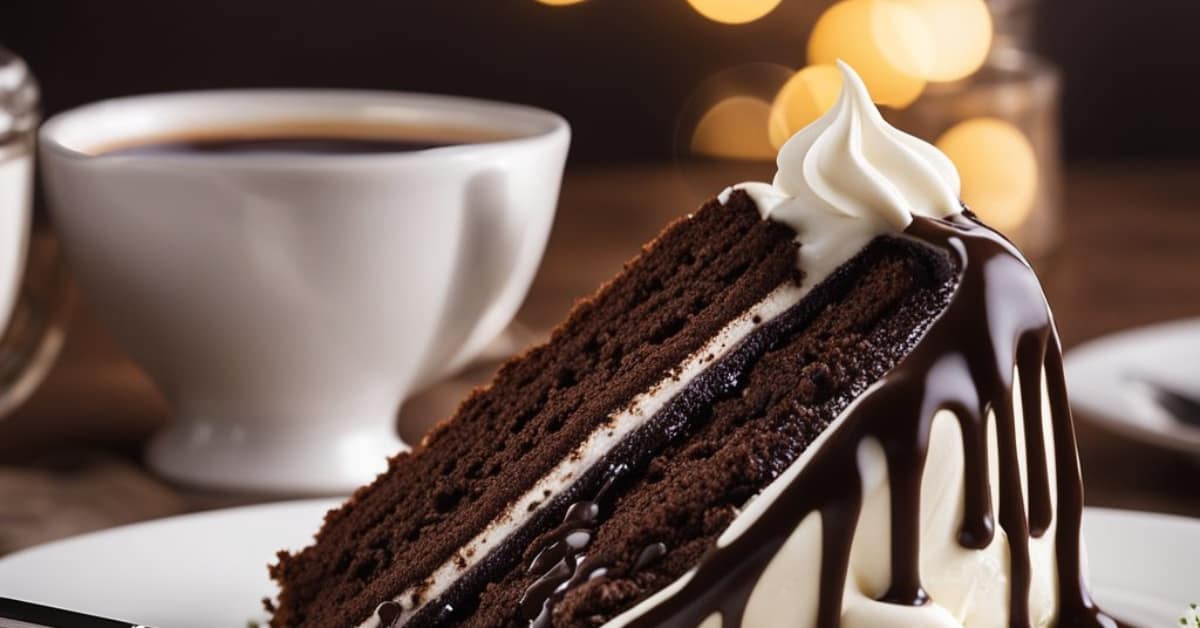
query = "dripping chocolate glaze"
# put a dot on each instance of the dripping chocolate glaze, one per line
(562, 563)
(961, 366)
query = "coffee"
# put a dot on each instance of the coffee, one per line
(324, 138)
(313, 145)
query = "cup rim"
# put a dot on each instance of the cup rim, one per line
(66, 134)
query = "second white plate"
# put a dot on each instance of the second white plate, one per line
(1101, 378)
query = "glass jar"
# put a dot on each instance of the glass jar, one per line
(1006, 119)
(34, 292)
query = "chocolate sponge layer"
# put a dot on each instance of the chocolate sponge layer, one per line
(699, 274)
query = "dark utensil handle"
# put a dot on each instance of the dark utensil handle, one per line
(30, 614)
(1183, 406)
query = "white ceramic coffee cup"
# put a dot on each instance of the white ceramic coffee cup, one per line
(286, 303)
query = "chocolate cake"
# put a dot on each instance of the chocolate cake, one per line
(833, 400)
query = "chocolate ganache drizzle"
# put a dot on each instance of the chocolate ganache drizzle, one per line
(561, 563)
(958, 367)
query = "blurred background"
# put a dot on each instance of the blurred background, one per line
(1073, 122)
(621, 71)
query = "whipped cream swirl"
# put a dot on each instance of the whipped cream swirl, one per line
(849, 177)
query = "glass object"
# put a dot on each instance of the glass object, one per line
(1001, 128)
(1014, 21)
(35, 294)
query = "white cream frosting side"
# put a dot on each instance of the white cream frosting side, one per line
(850, 177)
(967, 587)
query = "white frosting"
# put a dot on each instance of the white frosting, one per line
(967, 587)
(849, 177)
(621, 424)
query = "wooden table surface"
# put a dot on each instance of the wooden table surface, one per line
(1129, 255)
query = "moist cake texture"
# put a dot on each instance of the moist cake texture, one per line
(699, 274)
(835, 400)
(737, 430)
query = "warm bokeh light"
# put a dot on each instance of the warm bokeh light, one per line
(998, 167)
(734, 11)
(734, 128)
(721, 129)
(559, 3)
(884, 40)
(960, 32)
(803, 99)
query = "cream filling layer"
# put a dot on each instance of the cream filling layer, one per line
(967, 587)
(620, 425)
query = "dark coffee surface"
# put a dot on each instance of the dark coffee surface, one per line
(330, 145)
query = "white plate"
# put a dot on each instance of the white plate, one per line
(208, 570)
(1098, 378)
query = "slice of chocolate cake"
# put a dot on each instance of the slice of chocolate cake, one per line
(833, 400)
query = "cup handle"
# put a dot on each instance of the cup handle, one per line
(493, 248)
(38, 323)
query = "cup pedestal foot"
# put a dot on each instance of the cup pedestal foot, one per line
(278, 459)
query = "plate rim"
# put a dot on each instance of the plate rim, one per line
(215, 513)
